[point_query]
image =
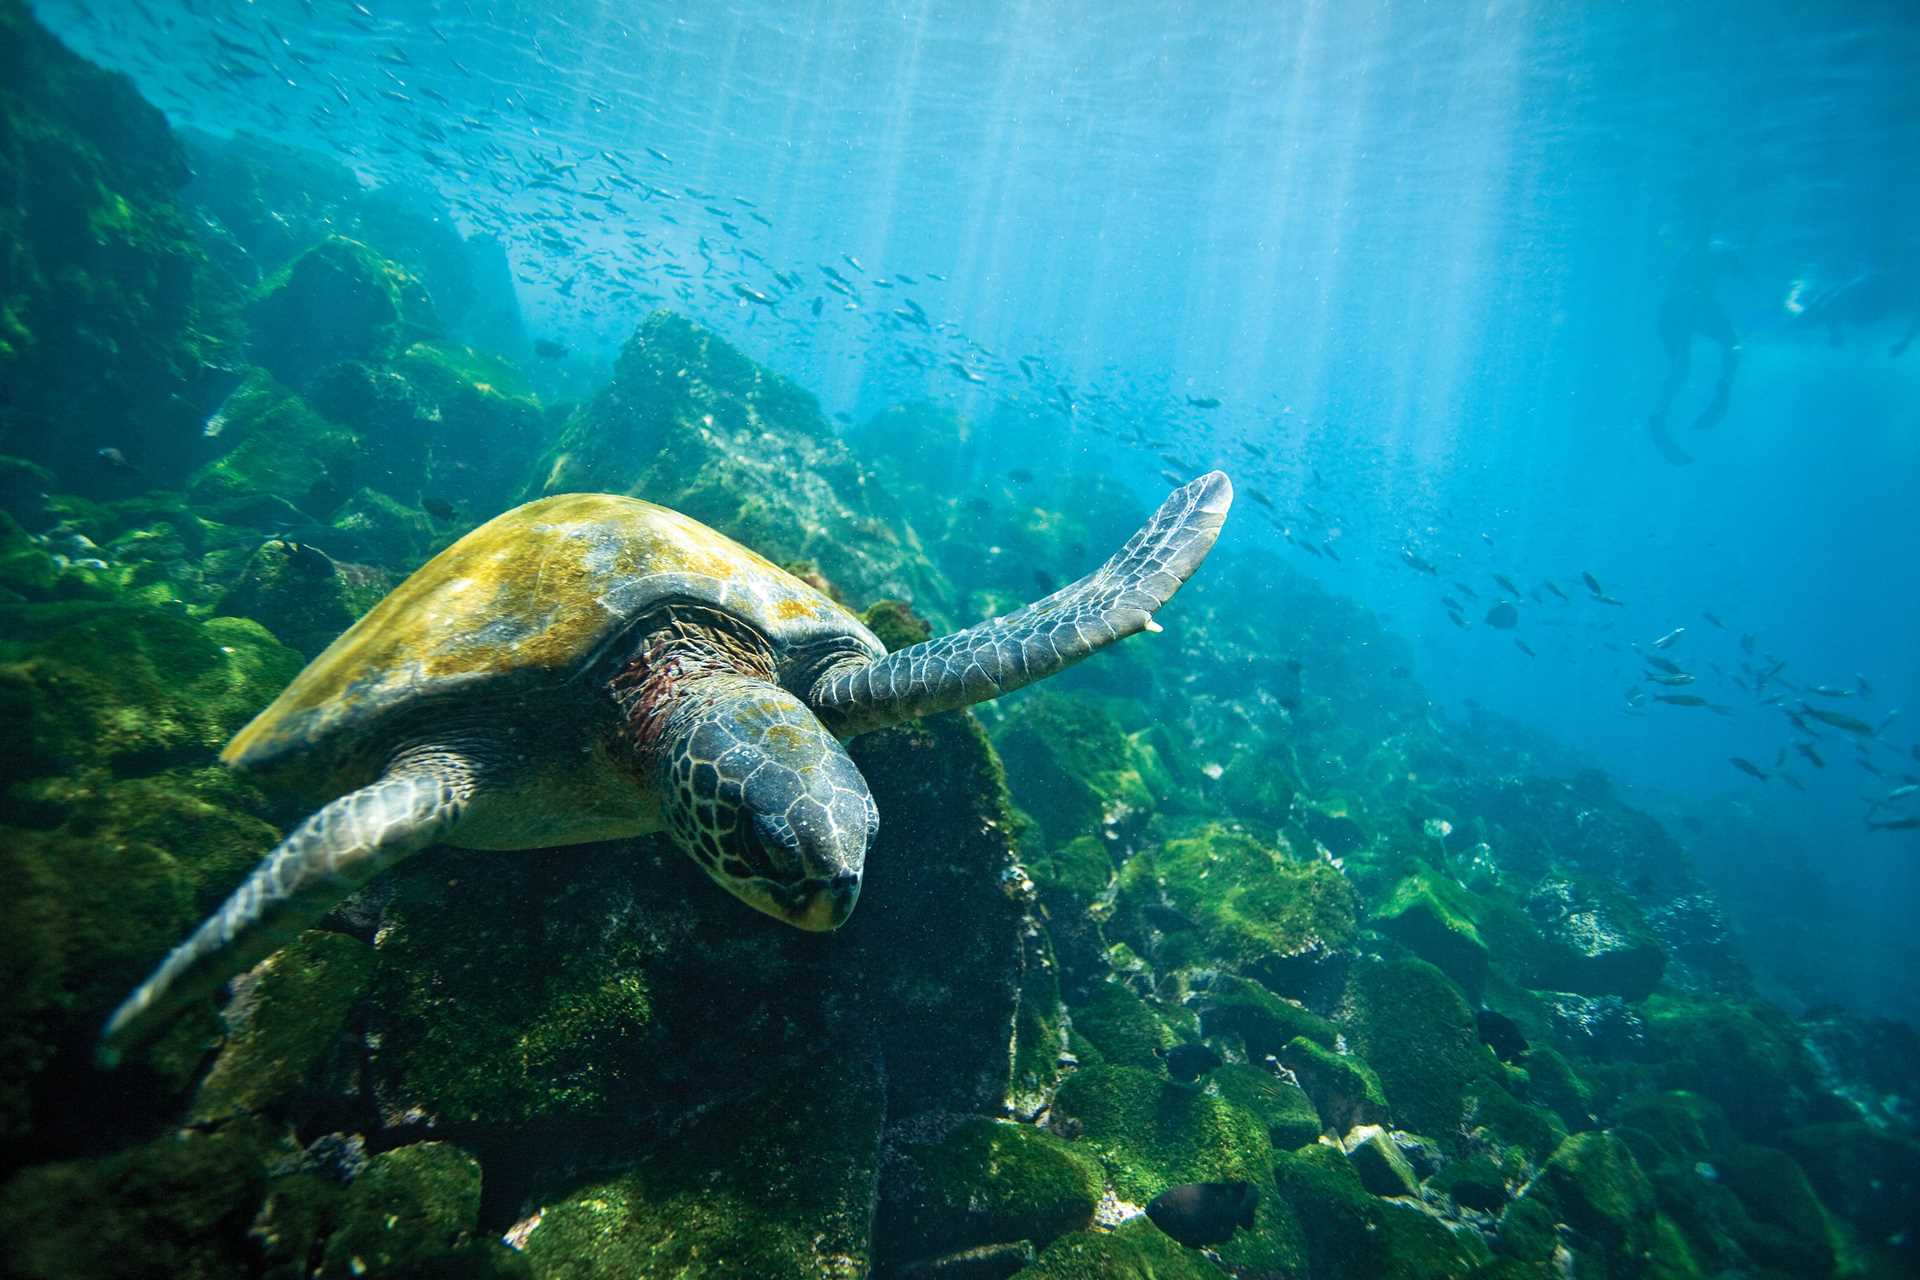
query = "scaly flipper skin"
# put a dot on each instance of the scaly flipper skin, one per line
(326, 858)
(1047, 636)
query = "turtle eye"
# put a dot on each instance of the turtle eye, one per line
(768, 851)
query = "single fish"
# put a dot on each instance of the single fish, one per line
(1674, 681)
(1198, 1214)
(1417, 564)
(1506, 584)
(1747, 767)
(1837, 720)
(1524, 647)
(548, 350)
(1667, 641)
(1503, 617)
(1203, 402)
(1188, 1062)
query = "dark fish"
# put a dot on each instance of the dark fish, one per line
(1286, 689)
(1673, 681)
(1204, 1213)
(1666, 641)
(1188, 1062)
(1681, 699)
(1837, 720)
(1503, 617)
(1664, 664)
(1417, 564)
(1020, 475)
(1828, 691)
(113, 459)
(439, 508)
(1747, 767)
(308, 560)
(1813, 757)
(1557, 591)
(1593, 583)
(1506, 584)
(1717, 624)
(1897, 824)
(1466, 591)
(1451, 603)
(1203, 402)
(1523, 647)
(547, 350)
(1501, 1034)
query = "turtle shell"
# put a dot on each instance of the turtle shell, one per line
(531, 597)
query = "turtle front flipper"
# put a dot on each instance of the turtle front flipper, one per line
(1047, 636)
(326, 858)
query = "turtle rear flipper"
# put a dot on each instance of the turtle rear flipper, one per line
(1047, 636)
(326, 858)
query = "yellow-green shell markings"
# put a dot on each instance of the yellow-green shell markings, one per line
(534, 594)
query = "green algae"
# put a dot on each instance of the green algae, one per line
(286, 1017)
(1122, 1027)
(1350, 1234)
(339, 300)
(1136, 1251)
(1284, 1108)
(1079, 771)
(1344, 1089)
(1150, 1133)
(984, 1182)
(1415, 1029)
(1263, 1021)
(1433, 918)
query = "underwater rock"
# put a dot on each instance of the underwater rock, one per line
(1598, 942)
(275, 446)
(176, 1207)
(1150, 1133)
(1594, 1186)
(302, 595)
(1344, 1090)
(1284, 1108)
(413, 1207)
(1382, 1168)
(1415, 1029)
(983, 1262)
(1433, 918)
(1078, 772)
(691, 423)
(1137, 1250)
(1252, 909)
(1121, 1026)
(340, 300)
(102, 330)
(1604, 1028)
(1200, 1214)
(1748, 1058)
(1349, 1234)
(1264, 1022)
(981, 1182)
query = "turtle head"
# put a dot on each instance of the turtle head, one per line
(756, 790)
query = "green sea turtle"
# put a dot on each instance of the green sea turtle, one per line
(589, 667)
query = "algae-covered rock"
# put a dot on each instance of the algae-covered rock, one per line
(340, 300)
(691, 423)
(1382, 1168)
(302, 595)
(780, 1189)
(1151, 1133)
(1213, 894)
(275, 445)
(286, 1015)
(412, 1206)
(1121, 1026)
(1138, 1250)
(1078, 771)
(982, 1182)
(1432, 917)
(1415, 1029)
(176, 1207)
(1598, 943)
(1351, 1235)
(1284, 1108)
(1869, 1176)
(1264, 1022)
(1345, 1091)
(1748, 1058)
(1595, 1186)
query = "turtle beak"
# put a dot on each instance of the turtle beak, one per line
(831, 904)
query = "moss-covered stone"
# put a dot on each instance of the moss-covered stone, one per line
(1870, 1176)
(1415, 1029)
(340, 300)
(1747, 1058)
(1595, 1186)
(300, 594)
(1122, 1027)
(288, 1012)
(1350, 1234)
(1381, 1166)
(1284, 1108)
(275, 445)
(1078, 772)
(1433, 918)
(983, 1182)
(1597, 940)
(1138, 1250)
(1344, 1089)
(410, 1207)
(1251, 908)
(779, 1187)
(1151, 1133)
(1264, 1022)
(176, 1207)
(1474, 1182)
(1076, 872)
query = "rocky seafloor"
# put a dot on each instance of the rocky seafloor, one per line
(1473, 1018)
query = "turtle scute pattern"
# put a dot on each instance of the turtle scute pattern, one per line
(788, 752)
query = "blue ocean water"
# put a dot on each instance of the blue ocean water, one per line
(1400, 268)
